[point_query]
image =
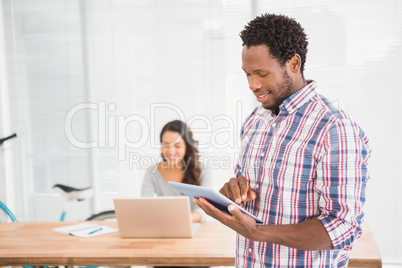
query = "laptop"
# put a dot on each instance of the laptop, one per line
(155, 217)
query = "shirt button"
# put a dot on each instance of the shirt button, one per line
(250, 250)
(274, 125)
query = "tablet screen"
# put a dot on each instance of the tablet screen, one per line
(218, 200)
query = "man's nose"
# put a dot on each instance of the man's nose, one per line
(254, 84)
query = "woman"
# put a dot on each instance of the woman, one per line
(180, 164)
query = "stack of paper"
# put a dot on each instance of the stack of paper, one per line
(86, 229)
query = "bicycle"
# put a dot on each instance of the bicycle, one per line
(75, 194)
(5, 209)
(71, 194)
(7, 138)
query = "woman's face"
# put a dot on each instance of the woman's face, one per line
(173, 148)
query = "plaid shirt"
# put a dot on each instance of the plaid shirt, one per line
(309, 161)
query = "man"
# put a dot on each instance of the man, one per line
(303, 163)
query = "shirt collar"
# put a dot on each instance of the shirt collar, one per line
(299, 98)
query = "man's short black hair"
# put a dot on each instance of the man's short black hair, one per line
(284, 37)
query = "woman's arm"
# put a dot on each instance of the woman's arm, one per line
(148, 187)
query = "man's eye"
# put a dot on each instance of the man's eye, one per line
(262, 75)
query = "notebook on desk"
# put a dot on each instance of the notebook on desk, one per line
(155, 217)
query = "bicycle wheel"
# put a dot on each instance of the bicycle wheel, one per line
(7, 213)
(108, 215)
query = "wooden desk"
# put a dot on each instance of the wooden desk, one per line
(365, 252)
(36, 244)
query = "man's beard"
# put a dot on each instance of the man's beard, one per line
(287, 88)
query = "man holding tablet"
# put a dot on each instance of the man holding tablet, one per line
(303, 163)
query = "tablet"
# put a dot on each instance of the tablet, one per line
(218, 200)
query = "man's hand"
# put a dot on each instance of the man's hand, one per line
(238, 190)
(306, 235)
(241, 223)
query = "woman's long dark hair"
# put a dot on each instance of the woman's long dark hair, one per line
(191, 167)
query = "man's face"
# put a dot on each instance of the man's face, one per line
(269, 81)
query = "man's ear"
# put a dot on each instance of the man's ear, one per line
(295, 63)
